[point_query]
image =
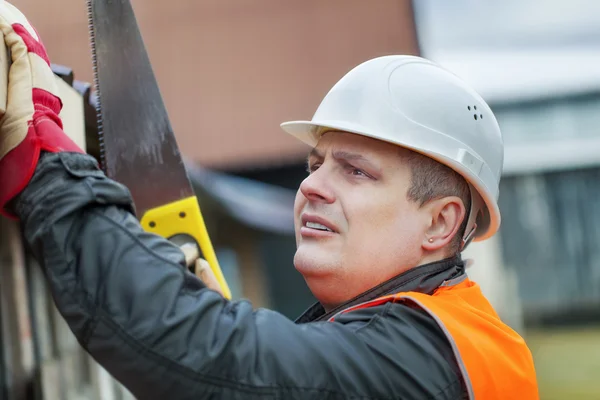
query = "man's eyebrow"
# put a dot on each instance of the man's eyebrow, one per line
(338, 155)
(349, 156)
(314, 153)
(344, 156)
(341, 155)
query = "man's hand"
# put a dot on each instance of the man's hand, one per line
(205, 273)
(201, 267)
(31, 123)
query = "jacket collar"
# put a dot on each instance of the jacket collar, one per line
(423, 279)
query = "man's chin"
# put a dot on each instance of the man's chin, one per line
(321, 272)
(312, 263)
(327, 291)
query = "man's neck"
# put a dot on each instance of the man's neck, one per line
(424, 279)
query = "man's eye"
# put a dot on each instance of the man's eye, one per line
(312, 168)
(357, 172)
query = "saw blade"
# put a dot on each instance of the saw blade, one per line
(137, 145)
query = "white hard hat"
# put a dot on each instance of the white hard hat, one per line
(414, 103)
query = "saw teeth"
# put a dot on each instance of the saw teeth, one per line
(98, 104)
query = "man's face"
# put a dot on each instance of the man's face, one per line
(355, 227)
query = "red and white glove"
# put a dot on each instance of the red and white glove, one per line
(31, 122)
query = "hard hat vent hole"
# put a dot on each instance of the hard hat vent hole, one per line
(475, 116)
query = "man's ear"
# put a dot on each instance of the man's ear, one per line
(447, 215)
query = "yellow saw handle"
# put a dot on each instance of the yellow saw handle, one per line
(183, 217)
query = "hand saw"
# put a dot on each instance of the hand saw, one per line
(137, 144)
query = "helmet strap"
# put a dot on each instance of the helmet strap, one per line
(474, 210)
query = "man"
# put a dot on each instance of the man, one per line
(403, 174)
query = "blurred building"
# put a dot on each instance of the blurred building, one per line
(539, 72)
(538, 67)
(231, 71)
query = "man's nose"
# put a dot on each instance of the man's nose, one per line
(317, 186)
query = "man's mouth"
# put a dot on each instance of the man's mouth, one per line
(315, 225)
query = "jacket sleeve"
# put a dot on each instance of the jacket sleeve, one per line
(154, 326)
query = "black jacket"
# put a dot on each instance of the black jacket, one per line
(136, 309)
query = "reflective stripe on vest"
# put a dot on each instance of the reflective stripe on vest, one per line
(494, 360)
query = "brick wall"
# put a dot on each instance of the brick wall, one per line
(231, 71)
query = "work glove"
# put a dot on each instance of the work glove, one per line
(28, 88)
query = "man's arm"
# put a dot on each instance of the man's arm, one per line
(136, 309)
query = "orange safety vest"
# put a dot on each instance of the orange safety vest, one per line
(494, 360)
